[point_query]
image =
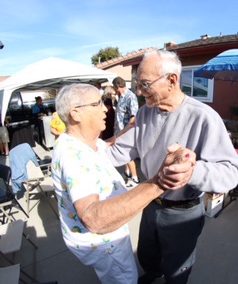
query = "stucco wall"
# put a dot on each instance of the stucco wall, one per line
(225, 99)
(122, 71)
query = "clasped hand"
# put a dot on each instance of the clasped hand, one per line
(177, 167)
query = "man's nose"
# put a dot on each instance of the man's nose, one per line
(138, 91)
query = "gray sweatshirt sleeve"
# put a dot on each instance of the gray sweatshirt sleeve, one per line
(124, 150)
(217, 161)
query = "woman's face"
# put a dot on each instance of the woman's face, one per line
(93, 114)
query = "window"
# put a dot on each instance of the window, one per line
(196, 87)
(15, 101)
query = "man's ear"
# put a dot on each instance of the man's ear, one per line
(173, 78)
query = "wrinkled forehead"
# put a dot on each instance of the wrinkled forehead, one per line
(91, 96)
(150, 66)
(87, 95)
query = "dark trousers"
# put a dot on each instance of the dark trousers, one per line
(167, 240)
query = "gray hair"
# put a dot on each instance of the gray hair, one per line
(168, 61)
(109, 91)
(70, 96)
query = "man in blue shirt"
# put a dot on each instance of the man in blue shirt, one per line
(126, 110)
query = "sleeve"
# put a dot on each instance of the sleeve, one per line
(124, 150)
(217, 167)
(134, 105)
(79, 175)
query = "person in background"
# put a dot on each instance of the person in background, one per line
(110, 118)
(109, 92)
(172, 223)
(94, 205)
(57, 126)
(127, 107)
(98, 85)
(4, 140)
(38, 108)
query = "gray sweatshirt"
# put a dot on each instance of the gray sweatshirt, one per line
(193, 125)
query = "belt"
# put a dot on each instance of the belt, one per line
(178, 204)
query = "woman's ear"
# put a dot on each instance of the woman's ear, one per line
(75, 115)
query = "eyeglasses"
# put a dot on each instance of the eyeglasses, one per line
(99, 103)
(145, 85)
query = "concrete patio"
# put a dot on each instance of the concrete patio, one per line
(216, 257)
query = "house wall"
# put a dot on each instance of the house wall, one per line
(122, 71)
(225, 93)
(225, 99)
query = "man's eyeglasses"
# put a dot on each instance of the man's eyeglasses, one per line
(145, 85)
(99, 103)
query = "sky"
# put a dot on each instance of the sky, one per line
(32, 30)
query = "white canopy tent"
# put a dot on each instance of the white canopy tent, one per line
(49, 73)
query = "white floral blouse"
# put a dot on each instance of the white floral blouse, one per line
(78, 171)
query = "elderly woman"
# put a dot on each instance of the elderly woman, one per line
(93, 203)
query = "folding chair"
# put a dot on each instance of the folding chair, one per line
(18, 159)
(28, 175)
(37, 183)
(41, 153)
(7, 197)
(10, 243)
(43, 158)
(11, 236)
(11, 239)
(10, 274)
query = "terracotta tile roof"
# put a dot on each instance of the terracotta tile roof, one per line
(205, 40)
(2, 78)
(117, 60)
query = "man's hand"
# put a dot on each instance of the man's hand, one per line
(177, 168)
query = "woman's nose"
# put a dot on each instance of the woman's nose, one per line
(105, 109)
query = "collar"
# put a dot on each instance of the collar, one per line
(124, 93)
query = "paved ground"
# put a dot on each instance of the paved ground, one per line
(216, 258)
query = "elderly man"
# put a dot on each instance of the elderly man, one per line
(93, 203)
(172, 223)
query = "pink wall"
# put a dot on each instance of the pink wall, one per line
(225, 98)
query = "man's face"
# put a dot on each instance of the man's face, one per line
(117, 90)
(151, 83)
